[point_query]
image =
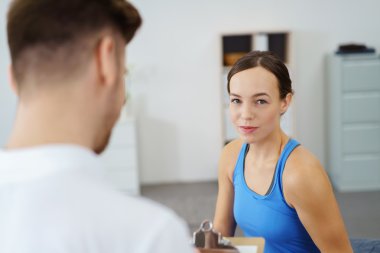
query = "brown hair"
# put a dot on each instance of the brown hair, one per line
(270, 62)
(43, 32)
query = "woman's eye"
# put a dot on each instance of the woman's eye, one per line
(235, 101)
(261, 102)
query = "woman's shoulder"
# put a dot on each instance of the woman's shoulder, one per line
(233, 147)
(302, 157)
(229, 156)
(303, 171)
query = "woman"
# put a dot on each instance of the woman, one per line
(269, 185)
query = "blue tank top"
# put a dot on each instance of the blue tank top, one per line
(269, 215)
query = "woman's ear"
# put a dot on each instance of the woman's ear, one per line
(12, 80)
(285, 102)
(107, 61)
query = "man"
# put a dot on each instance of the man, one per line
(67, 69)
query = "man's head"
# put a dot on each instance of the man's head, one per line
(55, 43)
(54, 37)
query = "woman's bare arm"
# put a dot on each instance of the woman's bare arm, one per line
(224, 221)
(307, 188)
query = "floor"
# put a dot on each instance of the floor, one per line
(195, 202)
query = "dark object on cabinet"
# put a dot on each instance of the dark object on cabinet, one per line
(354, 49)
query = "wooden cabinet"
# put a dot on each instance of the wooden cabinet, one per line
(120, 157)
(353, 109)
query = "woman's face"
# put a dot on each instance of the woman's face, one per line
(255, 104)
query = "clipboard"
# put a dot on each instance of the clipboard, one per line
(248, 244)
(207, 240)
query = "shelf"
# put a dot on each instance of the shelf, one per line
(236, 46)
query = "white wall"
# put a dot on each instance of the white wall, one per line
(7, 98)
(175, 73)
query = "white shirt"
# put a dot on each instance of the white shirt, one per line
(52, 199)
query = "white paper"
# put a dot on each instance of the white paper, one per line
(246, 248)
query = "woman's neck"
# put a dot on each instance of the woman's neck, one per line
(269, 148)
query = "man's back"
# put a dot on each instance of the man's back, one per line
(52, 199)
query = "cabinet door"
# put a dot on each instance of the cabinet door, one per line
(361, 75)
(361, 107)
(361, 139)
(361, 172)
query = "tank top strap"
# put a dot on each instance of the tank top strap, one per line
(239, 166)
(289, 147)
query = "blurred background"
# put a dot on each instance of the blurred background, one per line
(168, 141)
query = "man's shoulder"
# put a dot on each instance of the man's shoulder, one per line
(154, 225)
(116, 202)
(134, 219)
(138, 205)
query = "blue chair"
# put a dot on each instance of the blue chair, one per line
(365, 245)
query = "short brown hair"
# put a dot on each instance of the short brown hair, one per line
(50, 26)
(270, 62)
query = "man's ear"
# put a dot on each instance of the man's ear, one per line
(106, 60)
(285, 103)
(12, 80)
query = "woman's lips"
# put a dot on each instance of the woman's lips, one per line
(247, 129)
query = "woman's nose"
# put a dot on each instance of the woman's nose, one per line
(247, 112)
